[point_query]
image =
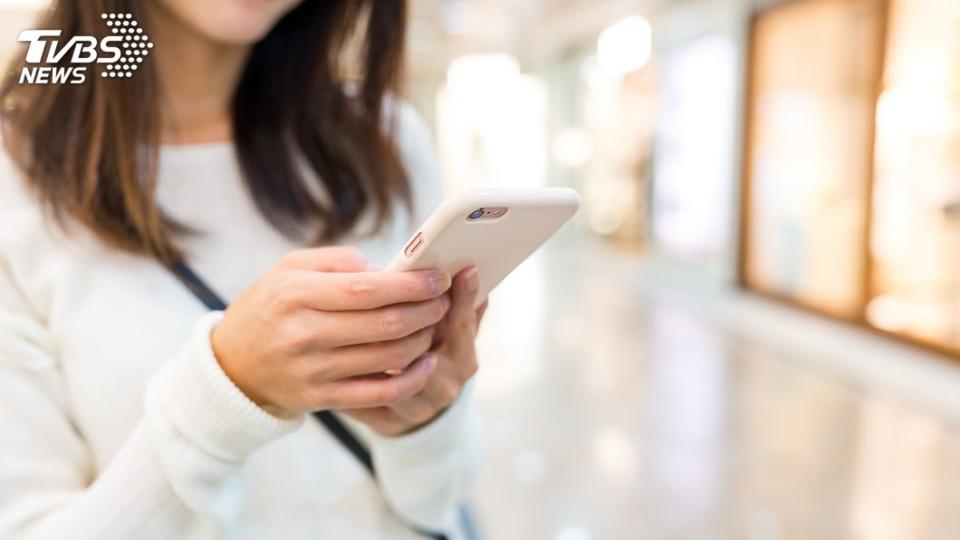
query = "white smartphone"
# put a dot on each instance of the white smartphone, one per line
(495, 229)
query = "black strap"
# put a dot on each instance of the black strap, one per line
(347, 439)
(329, 420)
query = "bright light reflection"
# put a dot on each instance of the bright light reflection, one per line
(510, 341)
(23, 4)
(896, 478)
(693, 182)
(573, 533)
(572, 147)
(616, 455)
(688, 378)
(625, 45)
(491, 124)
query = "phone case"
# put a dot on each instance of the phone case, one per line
(449, 241)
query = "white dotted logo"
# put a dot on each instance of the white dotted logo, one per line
(135, 43)
(51, 60)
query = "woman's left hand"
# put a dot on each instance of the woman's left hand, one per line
(456, 359)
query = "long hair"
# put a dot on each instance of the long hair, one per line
(89, 151)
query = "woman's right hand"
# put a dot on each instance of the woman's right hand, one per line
(318, 331)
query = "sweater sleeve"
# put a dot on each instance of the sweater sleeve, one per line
(196, 429)
(423, 476)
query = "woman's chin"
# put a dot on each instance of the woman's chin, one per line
(238, 35)
(231, 22)
(232, 30)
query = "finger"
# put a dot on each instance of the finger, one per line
(326, 259)
(381, 357)
(440, 331)
(383, 420)
(457, 360)
(344, 328)
(379, 391)
(481, 311)
(465, 288)
(417, 410)
(367, 290)
(444, 386)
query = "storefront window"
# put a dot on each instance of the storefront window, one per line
(916, 201)
(854, 197)
(813, 87)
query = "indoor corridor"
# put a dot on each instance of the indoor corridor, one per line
(624, 400)
(751, 328)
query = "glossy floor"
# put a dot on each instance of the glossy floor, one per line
(616, 410)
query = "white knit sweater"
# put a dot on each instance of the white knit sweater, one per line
(116, 421)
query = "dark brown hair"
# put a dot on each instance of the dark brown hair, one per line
(89, 151)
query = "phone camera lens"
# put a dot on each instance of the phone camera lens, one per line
(476, 214)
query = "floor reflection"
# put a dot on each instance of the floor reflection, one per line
(614, 414)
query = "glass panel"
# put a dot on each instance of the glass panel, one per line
(620, 117)
(694, 149)
(814, 79)
(916, 233)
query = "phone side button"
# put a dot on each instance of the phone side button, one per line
(413, 245)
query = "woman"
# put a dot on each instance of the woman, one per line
(251, 132)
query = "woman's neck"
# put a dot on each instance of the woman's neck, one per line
(197, 79)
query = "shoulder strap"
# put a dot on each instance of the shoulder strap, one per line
(329, 420)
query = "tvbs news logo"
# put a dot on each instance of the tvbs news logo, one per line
(118, 55)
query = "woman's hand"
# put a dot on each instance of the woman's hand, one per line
(456, 364)
(317, 331)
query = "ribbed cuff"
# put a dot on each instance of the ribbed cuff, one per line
(206, 407)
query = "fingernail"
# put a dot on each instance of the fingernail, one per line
(430, 361)
(439, 281)
(471, 280)
(446, 302)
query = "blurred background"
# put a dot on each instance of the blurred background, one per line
(752, 328)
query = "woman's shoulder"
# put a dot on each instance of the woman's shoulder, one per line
(16, 201)
(415, 143)
(22, 221)
(408, 124)
(410, 131)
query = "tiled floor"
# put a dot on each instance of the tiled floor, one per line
(620, 407)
